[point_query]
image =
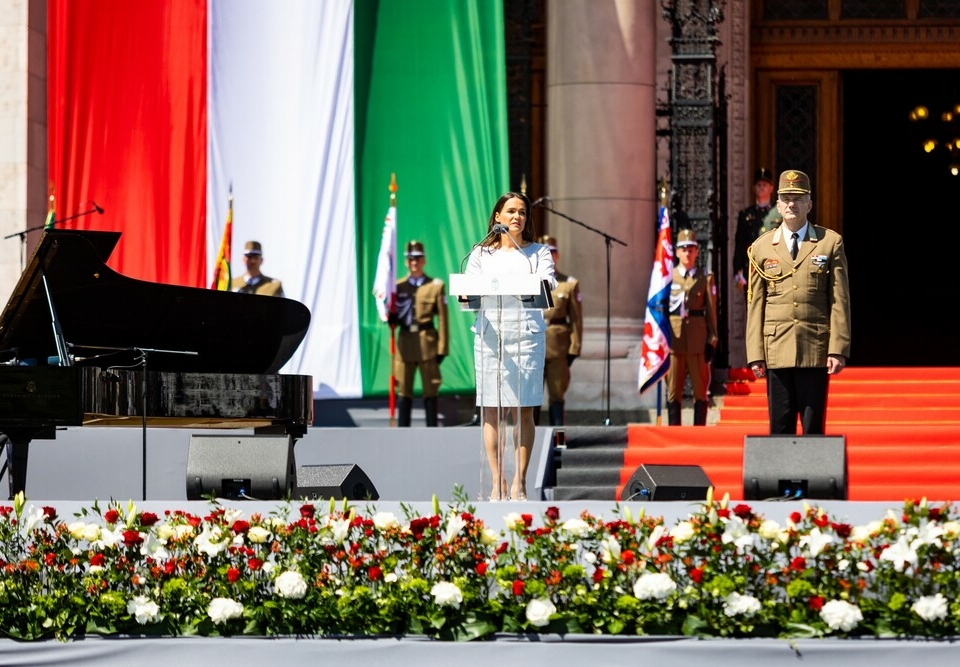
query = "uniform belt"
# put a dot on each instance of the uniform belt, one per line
(696, 313)
(414, 328)
(562, 320)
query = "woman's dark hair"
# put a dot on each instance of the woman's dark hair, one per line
(526, 234)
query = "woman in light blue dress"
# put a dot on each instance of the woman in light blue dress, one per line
(510, 341)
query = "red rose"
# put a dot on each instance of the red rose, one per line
(627, 557)
(821, 521)
(799, 564)
(50, 559)
(148, 518)
(796, 517)
(255, 564)
(375, 573)
(697, 575)
(481, 568)
(240, 526)
(111, 516)
(743, 511)
(816, 603)
(131, 538)
(233, 575)
(527, 519)
(598, 575)
(518, 587)
(97, 559)
(553, 513)
(307, 511)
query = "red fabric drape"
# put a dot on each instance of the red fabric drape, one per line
(127, 128)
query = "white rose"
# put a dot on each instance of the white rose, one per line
(682, 532)
(76, 529)
(291, 585)
(489, 536)
(144, 610)
(385, 520)
(446, 594)
(258, 534)
(769, 529)
(222, 610)
(210, 541)
(740, 605)
(575, 527)
(390, 578)
(513, 520)
(930, 607)
(165, 532)
(657, 586)
(841, 615)
(539, 611)
(951, 530)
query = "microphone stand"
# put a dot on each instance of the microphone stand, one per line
(23, 234)
(607, 240)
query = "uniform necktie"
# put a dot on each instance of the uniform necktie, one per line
(794, 246)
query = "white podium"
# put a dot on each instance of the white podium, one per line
(499, 356)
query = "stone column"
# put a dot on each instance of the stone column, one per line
(23, 131)
(601, 170)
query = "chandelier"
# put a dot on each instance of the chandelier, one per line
(939, 134)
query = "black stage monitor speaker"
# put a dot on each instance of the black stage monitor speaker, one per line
(342, 480)
(665, 482)
(246, 467)
(787, 467)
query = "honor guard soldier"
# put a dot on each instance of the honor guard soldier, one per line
(564, 336)
(254, 282)
(693, 322)
(754, 220)
(422, 339)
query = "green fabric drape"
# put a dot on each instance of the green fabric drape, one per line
(431, 107)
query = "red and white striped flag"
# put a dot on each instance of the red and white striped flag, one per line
(655, 353)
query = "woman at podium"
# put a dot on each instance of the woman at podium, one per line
(510, 340)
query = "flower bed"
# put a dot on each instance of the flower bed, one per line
(303, 570)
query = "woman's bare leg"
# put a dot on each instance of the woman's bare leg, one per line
(494, 449)
(524, 434)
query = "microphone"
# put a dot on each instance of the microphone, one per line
(496, 229)
(96, 207)
(539, 201)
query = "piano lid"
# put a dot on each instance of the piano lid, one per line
(105, 316)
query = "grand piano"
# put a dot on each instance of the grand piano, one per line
(82, 345)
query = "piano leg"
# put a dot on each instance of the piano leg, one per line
(17, 447)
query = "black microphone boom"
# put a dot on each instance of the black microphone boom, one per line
(539, 201)
(500, 229)
(96, 208)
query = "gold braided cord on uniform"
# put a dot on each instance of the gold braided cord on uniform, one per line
(763, 274)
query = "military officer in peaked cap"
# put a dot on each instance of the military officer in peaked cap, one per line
(422, 338)
(693, 324)
(564, 336)
(253, 281)
(798, 311)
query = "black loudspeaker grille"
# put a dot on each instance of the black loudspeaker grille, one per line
(789, 467)
(667, 482)
(249, 467)
(341, 480)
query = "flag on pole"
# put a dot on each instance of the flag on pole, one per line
(385, 279)
(221, 268)
(51, 220)
(655, 353)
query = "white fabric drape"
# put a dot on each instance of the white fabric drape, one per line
(281, 132)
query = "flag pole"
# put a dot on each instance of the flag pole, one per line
(392, 401)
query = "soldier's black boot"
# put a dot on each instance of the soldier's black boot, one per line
(430, 410)
(700, 413)
(673, 413)
(404, 408)
(536, 415)
(556, 413)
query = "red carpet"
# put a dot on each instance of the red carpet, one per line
(902, 428)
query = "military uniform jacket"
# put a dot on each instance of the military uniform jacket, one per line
(798, 311)
(751, 223)
(262, 285)
(565, 319)
(423, 339)
(693, 324)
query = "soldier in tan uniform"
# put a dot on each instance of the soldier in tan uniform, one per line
(798, 311)
(693, 322)
(254, 282)
(421, 343)
(564, 336)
